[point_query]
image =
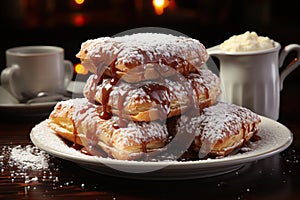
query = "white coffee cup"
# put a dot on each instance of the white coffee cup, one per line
(31, 70)
(252, 79)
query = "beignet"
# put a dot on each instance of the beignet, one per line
(78, 121)
(140, 53)
(153, 100)
(219, 129)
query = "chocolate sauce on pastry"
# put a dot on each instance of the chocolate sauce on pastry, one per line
(78, 117)
(169, 96)
(106, 114)
(146, 89)
(159, 94)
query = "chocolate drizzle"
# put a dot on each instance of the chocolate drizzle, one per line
(106, 114)
(185, 88)
(118, 96)
(157, 93)
(160, 94)
(106, 90)
(122, 121)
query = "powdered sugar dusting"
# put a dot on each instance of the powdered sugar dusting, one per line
(88, 122)
(221, 119)
(142, 133)
(44, 135)
(274, 136)
(144, 47)
(217, 123)
(180, 89)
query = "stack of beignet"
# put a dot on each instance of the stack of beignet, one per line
(145, 90)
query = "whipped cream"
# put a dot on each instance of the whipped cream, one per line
(249, 41)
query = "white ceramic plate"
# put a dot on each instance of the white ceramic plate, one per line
(275, 138)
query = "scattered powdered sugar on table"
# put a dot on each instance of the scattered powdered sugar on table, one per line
(31, 170)
(29, 157)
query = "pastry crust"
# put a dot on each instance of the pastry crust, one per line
(144, 55)
(148, 90)
(159, 99)
(78, 121)
(219, 129)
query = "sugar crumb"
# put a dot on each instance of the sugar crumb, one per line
(29, 157)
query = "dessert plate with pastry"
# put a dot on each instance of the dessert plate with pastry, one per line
(273, 138)
(151, 110)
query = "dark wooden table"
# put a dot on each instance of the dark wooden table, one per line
(276, 177)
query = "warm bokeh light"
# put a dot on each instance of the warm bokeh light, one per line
(80, 69)
(79, 2)
(159, 6)
(79, 20)
(158, 3)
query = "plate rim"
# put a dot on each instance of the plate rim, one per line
(201, 164)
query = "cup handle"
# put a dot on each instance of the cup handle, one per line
(69, 72)
(7, 76)
(292, 65)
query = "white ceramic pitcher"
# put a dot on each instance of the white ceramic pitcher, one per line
(252, 79)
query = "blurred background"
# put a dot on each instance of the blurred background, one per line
(68, 23)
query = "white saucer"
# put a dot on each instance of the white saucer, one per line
(10, 107)
(275, 138)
